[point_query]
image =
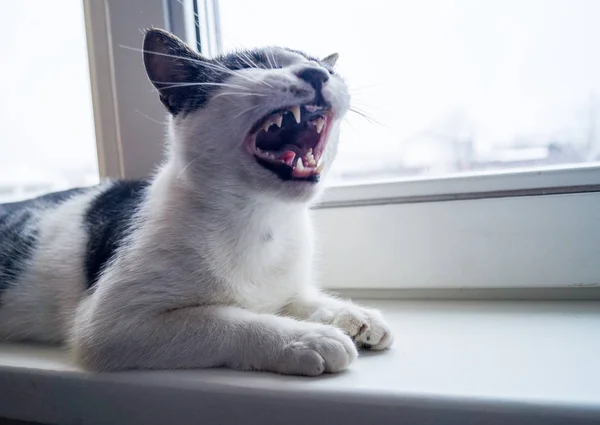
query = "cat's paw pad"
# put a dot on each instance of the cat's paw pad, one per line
(318, 350)
(365, 326)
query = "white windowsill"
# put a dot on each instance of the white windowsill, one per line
(454, 362)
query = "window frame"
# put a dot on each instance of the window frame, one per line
(550, 210)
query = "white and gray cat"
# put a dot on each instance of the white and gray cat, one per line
(209, 262)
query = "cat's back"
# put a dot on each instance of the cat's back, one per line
(53, 248)
(20, 228)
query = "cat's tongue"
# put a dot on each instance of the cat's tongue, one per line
(302, 161)
(288, 158)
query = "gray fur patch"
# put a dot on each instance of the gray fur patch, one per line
(19, 233)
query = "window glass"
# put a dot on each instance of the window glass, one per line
(446, 86)
(47, 139)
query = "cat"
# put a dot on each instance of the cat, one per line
(209, 262)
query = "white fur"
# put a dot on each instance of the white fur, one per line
(221, 252)
(42, 303)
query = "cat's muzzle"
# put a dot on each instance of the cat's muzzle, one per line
(290, 141)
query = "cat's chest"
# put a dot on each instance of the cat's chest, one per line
(268, 273)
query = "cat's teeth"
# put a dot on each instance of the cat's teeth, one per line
(320, 168)
(296, 112)
(299, 165)
(265, 154)
(319, 123)
(276, 119)
(310, 160)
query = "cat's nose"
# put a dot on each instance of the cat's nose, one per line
(314, 76)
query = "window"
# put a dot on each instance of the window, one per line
(480, 169)
(447, 86)
(47, 138)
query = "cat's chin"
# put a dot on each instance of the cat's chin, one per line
(289, 142)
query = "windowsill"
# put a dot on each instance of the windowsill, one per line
(453, 362)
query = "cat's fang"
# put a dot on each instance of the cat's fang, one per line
(319, 123)
(276, 119)
(310, 160)
(300, 165)
(295, 110)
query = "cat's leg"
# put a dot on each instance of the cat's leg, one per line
(365, 326)
(201, 337)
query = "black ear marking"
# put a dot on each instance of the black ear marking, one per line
(167, 59)
(171, 67)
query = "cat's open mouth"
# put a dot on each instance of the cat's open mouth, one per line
(290, 141)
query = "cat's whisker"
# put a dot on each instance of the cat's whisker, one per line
(246, 62)
(247, 59)
(238, 73)
(244, 112)
(188, 165)
(254, 80)
(358, 133)
(239, 94)
(150, 118)
(196, 61)
(359, 89)
(197, 16)
(271, 64)
(172, 85)
(252, 61)
(365, 116)
(276, 65)
(365, 106)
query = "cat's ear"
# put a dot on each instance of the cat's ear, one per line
(171, 66)
(330, 60)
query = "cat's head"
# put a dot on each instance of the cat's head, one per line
(264, 121)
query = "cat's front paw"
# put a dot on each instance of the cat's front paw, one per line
(317, 350)
(365, 326)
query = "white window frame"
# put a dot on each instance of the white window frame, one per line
(469, 234)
